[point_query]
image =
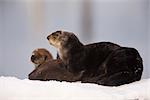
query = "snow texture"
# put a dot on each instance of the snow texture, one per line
(12, 88)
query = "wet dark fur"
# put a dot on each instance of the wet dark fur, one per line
(106, 63)
(53, 70)
(103, 63)
(122, 66)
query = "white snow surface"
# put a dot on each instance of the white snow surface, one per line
(12, 88)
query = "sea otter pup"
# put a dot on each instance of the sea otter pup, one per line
(40, 55)
(103, 63)
(49, 69)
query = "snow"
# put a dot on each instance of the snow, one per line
(12, 88)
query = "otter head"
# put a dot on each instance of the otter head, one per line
(65, 43)
(61, 39)
(39, 56)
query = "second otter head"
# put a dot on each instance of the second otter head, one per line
(40, 55)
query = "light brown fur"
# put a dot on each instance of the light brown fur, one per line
(40, 55)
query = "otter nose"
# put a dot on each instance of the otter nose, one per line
(48, 37)
(32, 57)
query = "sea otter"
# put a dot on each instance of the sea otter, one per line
(49, 68)
(40, 55)
(103, 63)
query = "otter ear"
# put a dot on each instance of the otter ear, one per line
(61, 32)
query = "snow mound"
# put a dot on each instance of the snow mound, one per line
(12, 88)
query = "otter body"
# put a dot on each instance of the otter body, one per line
(50, 69)
(53, 70)
(122, 66)
(103, 63)
(92, 56)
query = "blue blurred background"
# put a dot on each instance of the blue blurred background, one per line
(25, 24)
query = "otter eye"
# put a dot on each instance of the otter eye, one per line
(55, 35)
